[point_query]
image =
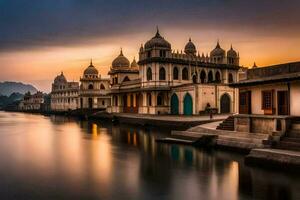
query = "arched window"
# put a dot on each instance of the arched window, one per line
(126, 79)
(102, 87)
(159, 99)
(230, 78)
(175, 73)
(218, 77)
(185, 74)
(91, 86)
(162, 74)
(149, 74)
(194, 78)
(210, 77)
(202, 76)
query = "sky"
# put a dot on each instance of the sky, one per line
(41, 38)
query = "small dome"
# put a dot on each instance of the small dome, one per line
(134, 64)
(218, 51)
(232, 53)
(60, 78)
(157, 41)
(91, 70)
(190, 48)
(254, 65)
(120, 61)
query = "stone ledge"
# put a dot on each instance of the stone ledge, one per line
(274, 158)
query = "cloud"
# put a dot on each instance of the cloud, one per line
(34, 24)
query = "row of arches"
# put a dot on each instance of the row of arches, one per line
(210, 78)
(225, 104)
(91, 87)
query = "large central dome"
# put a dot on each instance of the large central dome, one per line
(120, 61)
(157, 41)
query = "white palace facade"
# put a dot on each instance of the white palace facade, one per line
(161, 82)
(168, 82)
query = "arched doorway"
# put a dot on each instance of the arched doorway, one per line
(90, 103)
(225, 103)
(174, 105)
(202, 76)
(188, 105)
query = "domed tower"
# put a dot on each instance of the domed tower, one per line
(60, 82)
(218, 55)
(157, 46)
(134, 64)
(232, 57)
(121, 70)
(93, 89)
(190, 48)
(90, 72)
(121, 61)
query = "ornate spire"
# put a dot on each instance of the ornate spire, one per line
(91, 63)
(218, 44)
(254, 65)
(157, 32)
(121, 52)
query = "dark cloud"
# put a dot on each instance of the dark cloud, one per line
(35, 23)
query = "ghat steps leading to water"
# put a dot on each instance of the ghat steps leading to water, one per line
(292, 139)
(227, 124)
(223, 138)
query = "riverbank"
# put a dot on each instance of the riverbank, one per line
(168, 121)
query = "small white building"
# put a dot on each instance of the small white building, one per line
(93, 93)
(32, 102)
(64, 94)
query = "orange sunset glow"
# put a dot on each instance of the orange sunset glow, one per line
(267, 36)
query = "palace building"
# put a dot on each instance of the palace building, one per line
(64, 94)
(168, 82)
(93, 92)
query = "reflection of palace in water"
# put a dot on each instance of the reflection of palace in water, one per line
(134, 150)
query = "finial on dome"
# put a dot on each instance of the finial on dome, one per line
(91, 63)
(254, 65)
(231, 47)
(190, 39)
(218, 44)
(121, 52)
(61, 73)
(157, 32)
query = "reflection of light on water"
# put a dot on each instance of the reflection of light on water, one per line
(101, 162)
(94, 131)
(128, 137)
(134, 139)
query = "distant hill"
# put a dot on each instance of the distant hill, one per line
(7, 88)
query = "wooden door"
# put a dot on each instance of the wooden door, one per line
(245, 102)
(283, 103)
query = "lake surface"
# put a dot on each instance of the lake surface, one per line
(60, 158)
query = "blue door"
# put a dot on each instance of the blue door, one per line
(174, 105)
(188, 105)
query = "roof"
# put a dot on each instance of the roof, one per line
(268, 80)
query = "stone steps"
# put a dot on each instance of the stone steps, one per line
(227, 124)
(288, 145)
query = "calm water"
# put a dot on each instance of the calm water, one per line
(59, 158)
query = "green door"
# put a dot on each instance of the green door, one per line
(174, 105)
(188, 105)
